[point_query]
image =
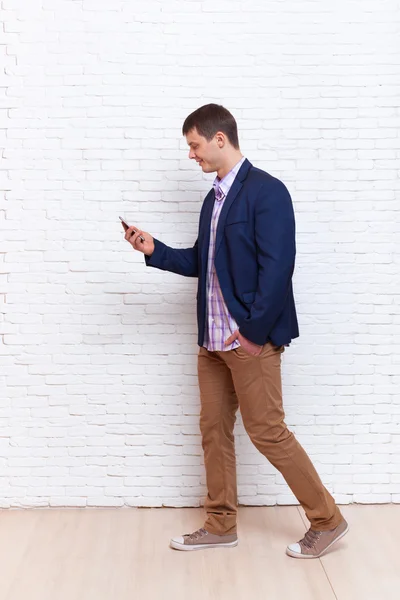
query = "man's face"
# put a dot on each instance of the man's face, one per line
(205, 153)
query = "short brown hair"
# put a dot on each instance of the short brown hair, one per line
(209, 119)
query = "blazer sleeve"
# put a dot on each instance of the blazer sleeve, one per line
(276, 250)
(181, 261)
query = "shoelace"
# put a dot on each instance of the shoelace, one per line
(196, 534)
(310, 539)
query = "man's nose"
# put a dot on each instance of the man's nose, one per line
(191, 154)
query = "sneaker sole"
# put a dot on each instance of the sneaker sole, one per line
(178, 546)
(298, 555)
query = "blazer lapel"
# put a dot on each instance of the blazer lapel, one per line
(233, 192)
(205, 227)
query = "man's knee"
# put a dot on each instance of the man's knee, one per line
(266, 436)
(213, 424)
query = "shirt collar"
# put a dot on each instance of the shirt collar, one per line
(225, 183)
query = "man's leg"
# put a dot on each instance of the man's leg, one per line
(257, 380)
(217, 419)
(219, 405)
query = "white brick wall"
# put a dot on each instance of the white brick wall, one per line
(99, 397)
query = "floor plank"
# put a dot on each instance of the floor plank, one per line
(366, 563)
(115, 554)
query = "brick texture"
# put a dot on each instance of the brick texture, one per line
(98, 387)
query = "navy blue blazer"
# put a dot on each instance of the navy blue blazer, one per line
(254, 257)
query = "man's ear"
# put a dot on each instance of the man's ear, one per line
(220, 139)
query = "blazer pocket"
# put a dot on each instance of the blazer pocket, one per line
(248, 297)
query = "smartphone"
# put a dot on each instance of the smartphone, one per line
(127, 226)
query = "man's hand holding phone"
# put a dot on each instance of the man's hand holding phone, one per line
(139, 240)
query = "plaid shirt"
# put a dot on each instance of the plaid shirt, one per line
(219, 323)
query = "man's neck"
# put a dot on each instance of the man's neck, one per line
(228, 166)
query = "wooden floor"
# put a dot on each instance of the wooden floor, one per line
(121, 554)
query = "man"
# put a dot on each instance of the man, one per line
(244, 259)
